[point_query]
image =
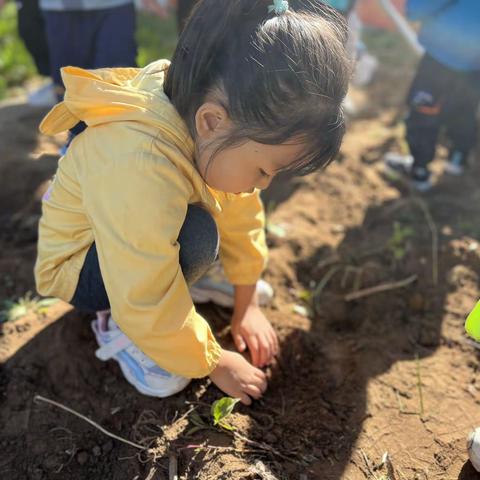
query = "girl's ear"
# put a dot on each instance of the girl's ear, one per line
(211, 119)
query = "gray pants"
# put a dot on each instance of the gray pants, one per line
(199, 242)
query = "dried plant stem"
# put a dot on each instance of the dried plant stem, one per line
(434, 232)
(39, 398)
(384, 287)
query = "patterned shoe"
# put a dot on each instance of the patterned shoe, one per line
(402, 165)
(139, 370)
(456, 164)
(214, 287)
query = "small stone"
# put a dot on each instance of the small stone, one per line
(82, 457)
(97, 451)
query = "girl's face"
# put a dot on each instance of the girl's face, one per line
(246, 167)
(242, 168)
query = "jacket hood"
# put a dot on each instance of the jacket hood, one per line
(118, 94)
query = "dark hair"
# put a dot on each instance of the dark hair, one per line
(281, 77)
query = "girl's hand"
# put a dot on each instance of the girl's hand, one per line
(237, 378)
(253, 329)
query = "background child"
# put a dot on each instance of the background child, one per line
(253, 89)
(446, 90)
(89, 34)
(31, 29)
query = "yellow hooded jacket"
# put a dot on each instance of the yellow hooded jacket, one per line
(126, 183)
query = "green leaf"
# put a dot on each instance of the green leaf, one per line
(222, 408)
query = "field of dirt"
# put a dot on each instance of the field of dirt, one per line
(364, 373)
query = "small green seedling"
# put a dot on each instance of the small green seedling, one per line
(221, 410)
(13, 310)
(398, 241)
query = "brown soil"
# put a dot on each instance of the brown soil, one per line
(389, 372)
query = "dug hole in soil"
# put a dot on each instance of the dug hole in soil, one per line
(389, 372)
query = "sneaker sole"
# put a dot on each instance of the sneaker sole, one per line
(177, 385)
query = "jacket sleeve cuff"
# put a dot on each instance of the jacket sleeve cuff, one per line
(214, 351)
(246, 274)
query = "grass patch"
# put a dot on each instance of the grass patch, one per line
(156, 38)
(16, 65)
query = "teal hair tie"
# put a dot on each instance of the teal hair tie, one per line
(279, 7)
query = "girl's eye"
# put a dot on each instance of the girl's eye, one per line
(263, 173)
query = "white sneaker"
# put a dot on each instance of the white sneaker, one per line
(456, 164)
(397, 165)
(214, 287)
(139, 370)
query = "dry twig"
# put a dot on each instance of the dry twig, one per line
(384, 287)
(434, 232)
(91, 422)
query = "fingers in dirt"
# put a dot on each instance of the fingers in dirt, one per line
(254, 350)
(265, 351)
(253, 391)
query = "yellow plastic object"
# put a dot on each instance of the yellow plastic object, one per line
(472, 325)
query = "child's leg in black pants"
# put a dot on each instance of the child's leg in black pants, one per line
(198, 241)
(460, 117)
(441, 98)
(426, 101)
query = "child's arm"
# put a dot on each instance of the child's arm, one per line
(250, 327)
(244, 253)
(420, 10)
(243, 248)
